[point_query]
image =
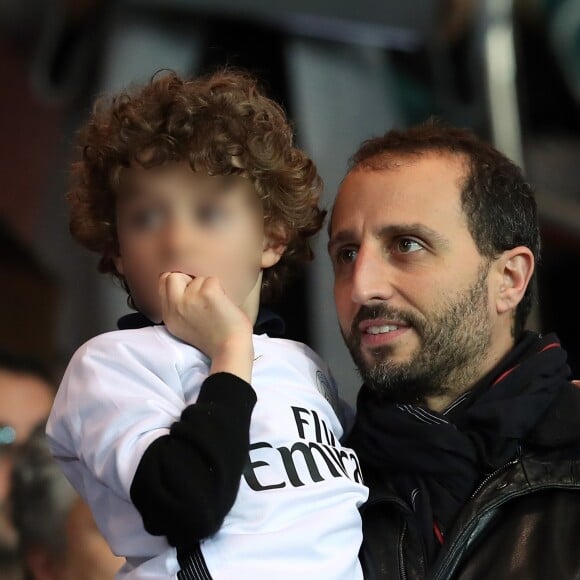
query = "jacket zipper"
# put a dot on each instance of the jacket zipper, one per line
(492, 475)
(402, 569)
(450, 555)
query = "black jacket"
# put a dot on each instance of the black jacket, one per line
(521, 523)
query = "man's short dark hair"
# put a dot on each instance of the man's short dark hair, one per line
(498, 202)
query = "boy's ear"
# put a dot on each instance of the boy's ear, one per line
(515, 268)
(275, 244)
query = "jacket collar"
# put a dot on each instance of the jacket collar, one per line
(559, 425)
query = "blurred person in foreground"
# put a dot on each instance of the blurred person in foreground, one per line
(26, 395)
(58, 537)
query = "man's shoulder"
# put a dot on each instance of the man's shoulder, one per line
(532, 507)
(559, 428)
(538, 525)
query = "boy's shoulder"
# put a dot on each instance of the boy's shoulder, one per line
(284, 352)
(285, 347)
(282, 344)
(149, 345)
(135, 336)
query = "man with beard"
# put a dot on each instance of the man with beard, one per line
(467, 424)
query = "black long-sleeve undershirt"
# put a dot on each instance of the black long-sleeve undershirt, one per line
(187, 481)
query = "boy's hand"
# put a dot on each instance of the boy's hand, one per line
(198, 311)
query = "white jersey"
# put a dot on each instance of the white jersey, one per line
(296, 512)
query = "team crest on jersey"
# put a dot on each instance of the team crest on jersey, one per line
(326, 389)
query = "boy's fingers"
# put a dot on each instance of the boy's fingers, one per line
(211, 286)
(163, 291)
(174, 284)
(212, 292)
(178, 291)
(201, 287)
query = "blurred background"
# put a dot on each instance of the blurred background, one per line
(344, 70)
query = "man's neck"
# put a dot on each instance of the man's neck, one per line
(462, 380)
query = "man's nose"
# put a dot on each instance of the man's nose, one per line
(372, 276)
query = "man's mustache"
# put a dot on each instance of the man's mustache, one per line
(383, 311)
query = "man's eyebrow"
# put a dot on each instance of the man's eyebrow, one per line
(414, 229)
(342, 237)
(390, 231)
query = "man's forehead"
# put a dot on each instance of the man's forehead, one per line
(398, 197)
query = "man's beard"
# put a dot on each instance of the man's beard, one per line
(451, 345)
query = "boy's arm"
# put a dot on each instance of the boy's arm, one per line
(119, 421)
(177, 495)
(187, 481)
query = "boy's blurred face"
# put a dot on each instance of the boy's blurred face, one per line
(171, 219)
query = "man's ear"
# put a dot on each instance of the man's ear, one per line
(275, 244)
(514, 268)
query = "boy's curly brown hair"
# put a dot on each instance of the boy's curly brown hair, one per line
(222, 124)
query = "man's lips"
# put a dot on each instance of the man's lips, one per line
(381, 326)
(379, 332)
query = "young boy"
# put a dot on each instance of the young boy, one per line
(195, 198)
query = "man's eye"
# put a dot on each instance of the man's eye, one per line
(408, 246)
(210, 214)
(345, 255)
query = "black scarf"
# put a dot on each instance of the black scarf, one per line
(436, 460)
